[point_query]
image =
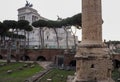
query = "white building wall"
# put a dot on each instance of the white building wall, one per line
(49, 34)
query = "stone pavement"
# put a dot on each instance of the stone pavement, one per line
(45, 64)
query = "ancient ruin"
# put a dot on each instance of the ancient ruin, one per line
(92, 57)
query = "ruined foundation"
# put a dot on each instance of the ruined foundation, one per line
(93, 64)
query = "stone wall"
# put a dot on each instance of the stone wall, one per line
(47, 54)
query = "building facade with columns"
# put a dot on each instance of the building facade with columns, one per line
(31, 15)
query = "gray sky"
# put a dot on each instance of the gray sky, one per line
(66, 8)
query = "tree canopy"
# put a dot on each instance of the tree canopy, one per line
(113, 42)
(74, 20)
(12, 24)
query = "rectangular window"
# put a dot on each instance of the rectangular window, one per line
(34, 18)
(22, 18)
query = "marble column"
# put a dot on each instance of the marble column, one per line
(91, 22)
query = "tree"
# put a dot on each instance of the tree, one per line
(40, 24)
(13, 26)
(66, 30)
(8, 29)
(3, 30)
(53, 25)
(74, 20)
(22, 25)
(16, 37)
(28, 29)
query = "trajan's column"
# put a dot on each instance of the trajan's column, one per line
(92, 57)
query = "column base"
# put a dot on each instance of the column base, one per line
(80, 80)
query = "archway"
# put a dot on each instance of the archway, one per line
(12, 57)
(116, 63)
(1, 57)
(25, 58)
(72, 63)
(41, 58)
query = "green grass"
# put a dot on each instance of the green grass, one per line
(17, 75)
(115, 75)
(57, 75)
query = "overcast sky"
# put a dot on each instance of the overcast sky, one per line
(66, 8)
